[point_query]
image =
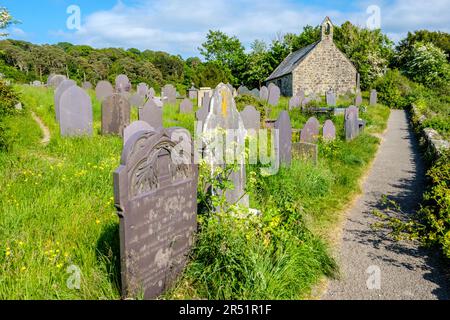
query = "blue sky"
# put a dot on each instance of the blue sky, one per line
(180, 26)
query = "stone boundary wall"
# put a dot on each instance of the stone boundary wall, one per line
(434, 142)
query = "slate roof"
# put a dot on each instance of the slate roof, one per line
(291, 61)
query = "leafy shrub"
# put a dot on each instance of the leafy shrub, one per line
(247, 100)
(393, 90)
(8, 101)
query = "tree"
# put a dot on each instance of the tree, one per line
(5, 20)
(427, 64)
(228, 52)
(438, 38)
(258, 65)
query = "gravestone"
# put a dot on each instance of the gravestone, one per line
(306, 151)
(373, 97)
(264, 94)
(137, 100)
(251, 118)
(294, 102)
(87, 85)
(305, 102)
(151, 93)
(36, 83)
(169, 95)
(223, 114)
(142, 89)
(186, 106)
(351, 123)
(255, 92)
(115, 114)
(301, 94)
(202, 114)
(329, 131)
(274, 95)
(55, 80)
(158, 102)
(201, 94)
(193, 93)
(155, 191)
(66, 84)
(358, 99)
(103, 89)
(242, 90)
(123, 84)
(136, 126)
(206, 100)
(76, 118)
(310, 132)
(152, 114)
(331, 99)
(358, 82)
(283, 145)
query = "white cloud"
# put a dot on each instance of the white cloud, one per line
(18, 33)
(180, 26)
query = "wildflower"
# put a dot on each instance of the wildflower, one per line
(21, 243)
(59, 265)
(97, 221)
(8, 253)
(23, 269)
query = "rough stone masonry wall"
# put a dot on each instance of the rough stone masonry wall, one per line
(324, 68)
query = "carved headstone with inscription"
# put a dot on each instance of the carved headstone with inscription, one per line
(155, 191)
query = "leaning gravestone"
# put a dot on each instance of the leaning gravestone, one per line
(373, 97)
(56, 80)
(169, 94)
(76, 118)
(306, 151)
(152, 114)
(103, 89)
(358, 99)
(331, 99)
(123, 84)
(135, 127)
(274, 95)
(155, 191)
(186, 106)
(251, 118)
(264, 94)
(66, 84)
(224, 115)
(283, 145)
(351, 123)
(329, 131)
(310, 132)
(115, 114)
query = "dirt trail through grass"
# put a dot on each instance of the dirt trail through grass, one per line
(372, 265)
(45, 131)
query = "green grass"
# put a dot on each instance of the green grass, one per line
(56, 210)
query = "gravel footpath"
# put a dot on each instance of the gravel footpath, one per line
(405, 270)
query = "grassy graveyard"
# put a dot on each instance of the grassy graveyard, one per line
(58, 211)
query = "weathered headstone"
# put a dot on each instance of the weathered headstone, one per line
(186, 106)
(169, 95)
(373, 97)
(55, 80)
(223, 114)
(155, 191)
(151, 93)
(158, 102)
(201, 114)
(76, 118)
(331, 98)
(306, 151)
(103, 89)
(310, 132)
(115, 114)
(242, 90)
(301, 94)
(136, 126)
(152, 114)
(193, 93)
(206, 101)
(274, 95)
(251, 118)
(283, 145)
(36, 83)
(123, 84)
(264, 94)
(137, 100)
(142, 89)
(255, 92)
(358, 99)
(66, 84)
(351, 123)
(294, 102)
(329, 131)
(87, 85)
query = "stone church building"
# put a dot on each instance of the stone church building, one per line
(317, 68)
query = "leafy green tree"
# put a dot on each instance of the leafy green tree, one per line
(427, 64)
(258, 65)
